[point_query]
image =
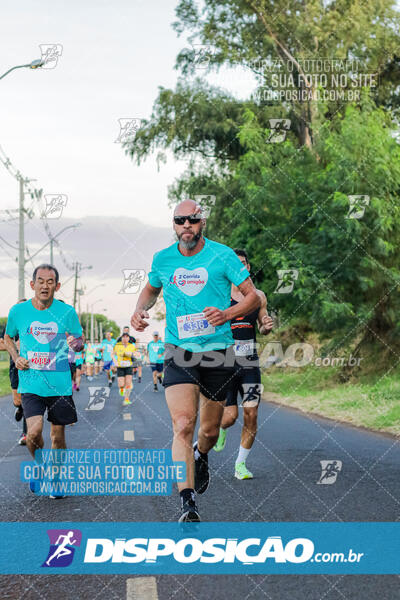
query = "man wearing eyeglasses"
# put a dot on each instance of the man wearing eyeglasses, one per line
(196, 275)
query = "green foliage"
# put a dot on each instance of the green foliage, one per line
(107, 324)
(288, 203)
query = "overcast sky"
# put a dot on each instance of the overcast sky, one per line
(59, 125)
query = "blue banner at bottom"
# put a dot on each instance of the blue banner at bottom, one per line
(201, 548)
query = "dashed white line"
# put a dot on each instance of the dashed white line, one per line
(127, 416)
(129, 436)
(141, 588)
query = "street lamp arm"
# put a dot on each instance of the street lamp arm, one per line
(35, 64)
(13, 69)
(53, 238)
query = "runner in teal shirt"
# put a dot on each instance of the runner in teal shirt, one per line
(156, 351)
(106, 347)
(196, 275)
(43, 341)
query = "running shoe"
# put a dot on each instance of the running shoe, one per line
(77, 389)
(220, 445)
(34, 486)
(140, 380)
(110, 383)
(22, 440)
(155, 389)
(242, 472)
(19, 413)
(57, 496)
(127, 401)
(189, 514)
(201, 472)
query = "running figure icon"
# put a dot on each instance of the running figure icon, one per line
(62, 549)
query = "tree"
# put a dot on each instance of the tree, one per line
(288, 203)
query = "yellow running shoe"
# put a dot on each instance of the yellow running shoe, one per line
(242, 472)
(220, 445)
(127, 401)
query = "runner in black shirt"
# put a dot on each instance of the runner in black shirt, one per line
(247, 381)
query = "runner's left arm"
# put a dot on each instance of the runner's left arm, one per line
(265, 322)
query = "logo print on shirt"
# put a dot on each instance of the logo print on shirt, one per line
(190, 282)
(44, 333)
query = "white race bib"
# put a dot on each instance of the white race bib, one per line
(193, 325)
(42, 361)
(244, 347)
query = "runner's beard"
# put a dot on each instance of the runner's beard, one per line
(192, 243)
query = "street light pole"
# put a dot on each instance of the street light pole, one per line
(76, 282)
(78, 269)
(92, 316)
(21, 242)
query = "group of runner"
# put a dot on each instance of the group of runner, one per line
(209, 357)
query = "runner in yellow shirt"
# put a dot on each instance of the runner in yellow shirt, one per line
(123, 352)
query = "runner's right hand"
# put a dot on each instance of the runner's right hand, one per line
(138, 320)
(22, 363)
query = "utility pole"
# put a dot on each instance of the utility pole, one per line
(21, 242)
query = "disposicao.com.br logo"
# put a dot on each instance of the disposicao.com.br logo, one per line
(202, 548)
(247, 551)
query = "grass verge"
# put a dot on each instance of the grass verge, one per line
(373, 401)
(4, 379)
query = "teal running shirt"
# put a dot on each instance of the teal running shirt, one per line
(192, 283)
(43, 341)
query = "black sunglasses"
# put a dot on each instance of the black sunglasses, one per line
(193, 219)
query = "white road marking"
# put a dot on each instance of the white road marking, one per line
(141, 588)
(129, 436)
(127, 416)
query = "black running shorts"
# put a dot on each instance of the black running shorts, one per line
(60, 409)
(122, 371)
(247, 383)
(212, 371)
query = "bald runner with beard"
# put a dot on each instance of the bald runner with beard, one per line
(196, 275)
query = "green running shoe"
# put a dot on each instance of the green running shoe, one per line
(242, 472)
(220, 445)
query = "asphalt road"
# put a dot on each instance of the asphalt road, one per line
(286, 465)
